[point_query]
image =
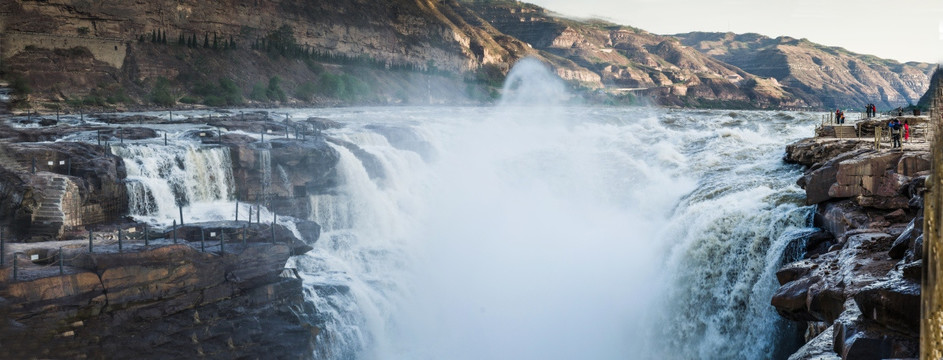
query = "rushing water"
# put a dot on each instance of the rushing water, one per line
(557, 233)
(531, 230)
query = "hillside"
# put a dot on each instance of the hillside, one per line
(822, 76)
(116, 53)
(62, 54)
(622, 58)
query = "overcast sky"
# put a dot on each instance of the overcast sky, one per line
(903, 30)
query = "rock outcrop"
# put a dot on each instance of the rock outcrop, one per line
(857, 290)
(194, 304)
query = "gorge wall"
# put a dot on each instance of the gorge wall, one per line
(87, 54)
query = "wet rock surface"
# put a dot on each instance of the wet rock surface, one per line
(865, 287)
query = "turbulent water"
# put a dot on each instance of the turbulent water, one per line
(532, 230)
(557, 233)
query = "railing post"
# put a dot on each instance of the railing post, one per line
(222, 242)
(181, 214)
(202, 240)
(60, 261)
(99, 133)
(245, 231)
(165, 138)
(120, 247)
(147, 237)
(90, 249)
(175, 231)
(237, 210)
(274, 218)
(250, 213)
(15, 268)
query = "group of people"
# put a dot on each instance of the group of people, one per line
(896, 129)
(871, 110)
(839, 116)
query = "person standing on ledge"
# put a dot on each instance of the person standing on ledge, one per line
(895, 133)
(906, 130)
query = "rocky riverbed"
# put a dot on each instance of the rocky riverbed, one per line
(82, 278)
(856, 291)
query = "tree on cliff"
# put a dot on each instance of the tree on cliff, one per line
(206, 41)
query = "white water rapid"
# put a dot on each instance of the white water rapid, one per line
(543, 231)
(161, 177)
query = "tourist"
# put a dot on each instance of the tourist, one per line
(895, 133)
(837, 115)
(906, 130)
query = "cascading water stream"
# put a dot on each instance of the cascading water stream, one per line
(162, 177)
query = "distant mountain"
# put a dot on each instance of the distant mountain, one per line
(614, 57)
(822, 76)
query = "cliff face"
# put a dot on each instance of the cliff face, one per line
(84, 53)
(857, 290)
(822, 76)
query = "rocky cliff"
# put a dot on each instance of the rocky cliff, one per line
(857, 288)
(80, 278)
(822, 76)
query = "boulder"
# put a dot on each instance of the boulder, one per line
(893, 303)
(810, 151)
(819, 348)
(857, 338)
(791, 299)
(818, 181)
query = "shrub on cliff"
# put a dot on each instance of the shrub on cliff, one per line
(306, 91)
(258, 92)
(225, 92)
(274, 90)
(342, 86)
(161, 94)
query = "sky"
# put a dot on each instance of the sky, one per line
(903, 30)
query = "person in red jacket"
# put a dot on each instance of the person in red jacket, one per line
(907, 130)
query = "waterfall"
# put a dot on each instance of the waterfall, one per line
(564, 233)
(162, 177)
(265, 167)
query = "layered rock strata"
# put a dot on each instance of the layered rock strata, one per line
(857, 288)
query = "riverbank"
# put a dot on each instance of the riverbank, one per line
(856, 291)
